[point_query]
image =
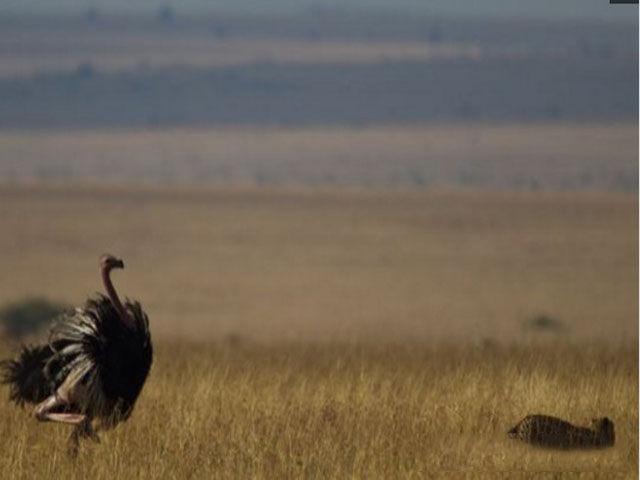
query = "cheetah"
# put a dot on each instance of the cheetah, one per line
(552, 432)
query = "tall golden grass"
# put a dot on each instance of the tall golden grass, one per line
(347, 411)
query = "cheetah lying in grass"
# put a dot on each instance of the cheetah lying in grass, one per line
(552, 432)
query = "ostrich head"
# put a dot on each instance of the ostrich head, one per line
(108, 262)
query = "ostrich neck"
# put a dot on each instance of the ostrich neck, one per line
(113, 296)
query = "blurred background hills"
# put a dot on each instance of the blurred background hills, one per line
(324, 67)
(549, 9)
(538, 96)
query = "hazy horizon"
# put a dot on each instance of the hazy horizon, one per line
(542, 9)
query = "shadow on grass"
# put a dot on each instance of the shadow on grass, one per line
(29, 316)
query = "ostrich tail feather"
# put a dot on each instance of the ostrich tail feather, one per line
(26, 375)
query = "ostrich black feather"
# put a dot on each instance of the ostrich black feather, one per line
(25, 375)
(110, 359)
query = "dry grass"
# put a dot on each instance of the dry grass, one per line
(272, 265)
(348, 411)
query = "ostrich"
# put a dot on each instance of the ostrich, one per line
(93, 366)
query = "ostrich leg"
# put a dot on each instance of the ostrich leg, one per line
(62, 397)
(81, 430)
(44, 414)
(83, 427)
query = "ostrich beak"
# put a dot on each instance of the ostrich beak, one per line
(119, 264)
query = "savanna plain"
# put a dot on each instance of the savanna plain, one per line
(341, 334)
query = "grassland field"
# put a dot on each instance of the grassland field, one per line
(212, 410)
(333, 265)
(340, 333)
